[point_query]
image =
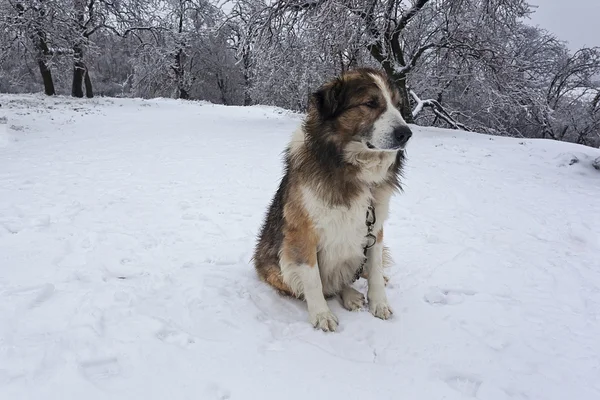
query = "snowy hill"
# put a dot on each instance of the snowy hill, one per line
(127, 226)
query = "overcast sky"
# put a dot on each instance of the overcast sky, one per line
(576, 21)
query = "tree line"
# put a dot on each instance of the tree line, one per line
(465, 64)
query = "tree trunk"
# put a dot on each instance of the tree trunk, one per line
(77, 86)
(81, 79)
(42, 52)
(178, 67)
(183, 94)
(80, 71)
(247, 98)
(405, 108)
(222, 88)
(89, 92)
(38, 38)
(397, 78)
(247, 63)
(180, 75)
(46, 77)
(389, 52)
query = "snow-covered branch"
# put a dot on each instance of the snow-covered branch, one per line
(437, 109)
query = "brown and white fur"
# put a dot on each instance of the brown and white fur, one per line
(347, 155)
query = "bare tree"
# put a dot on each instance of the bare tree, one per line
(87, 19)
(383, 27)
(464, 64)
(241, 27)
(34, 21)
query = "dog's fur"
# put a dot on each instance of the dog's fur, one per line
(347, 155)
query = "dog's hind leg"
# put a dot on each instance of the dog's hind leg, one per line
(272, 275)
(352, 299)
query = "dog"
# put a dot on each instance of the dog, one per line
(324, 226)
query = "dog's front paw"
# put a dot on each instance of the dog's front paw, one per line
(325, 321)
(381, 310)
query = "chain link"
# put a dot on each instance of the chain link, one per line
(371, 240)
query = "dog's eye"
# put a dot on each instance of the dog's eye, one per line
(371, 104)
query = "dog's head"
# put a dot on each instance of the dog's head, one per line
(359, 109)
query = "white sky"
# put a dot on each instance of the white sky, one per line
(574, 21)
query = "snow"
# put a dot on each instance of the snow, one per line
(127, 227)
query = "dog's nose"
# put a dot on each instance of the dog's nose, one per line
(402, 133)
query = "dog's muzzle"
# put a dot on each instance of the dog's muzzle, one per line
(402, 134)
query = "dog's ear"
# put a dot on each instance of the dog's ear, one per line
(328, 99)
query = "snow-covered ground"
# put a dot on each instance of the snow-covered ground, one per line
(127, 227)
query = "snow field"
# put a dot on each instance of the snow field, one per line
(127, 227)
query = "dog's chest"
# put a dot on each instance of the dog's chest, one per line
(342, 236)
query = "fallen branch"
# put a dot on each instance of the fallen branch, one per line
(437, 109)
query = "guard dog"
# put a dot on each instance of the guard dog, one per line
(325, 221)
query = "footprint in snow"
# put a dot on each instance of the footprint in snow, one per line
(467, 385)
(44, 294)
(100, 369)
(40, 294)
(12, 226)
(217, 392)
(190, 214)
(41, 222)
(437, 296)
(17, 128)
(194, 216)
(220, 262)
(174, 337)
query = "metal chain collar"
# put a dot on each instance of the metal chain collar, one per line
(371, 240)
